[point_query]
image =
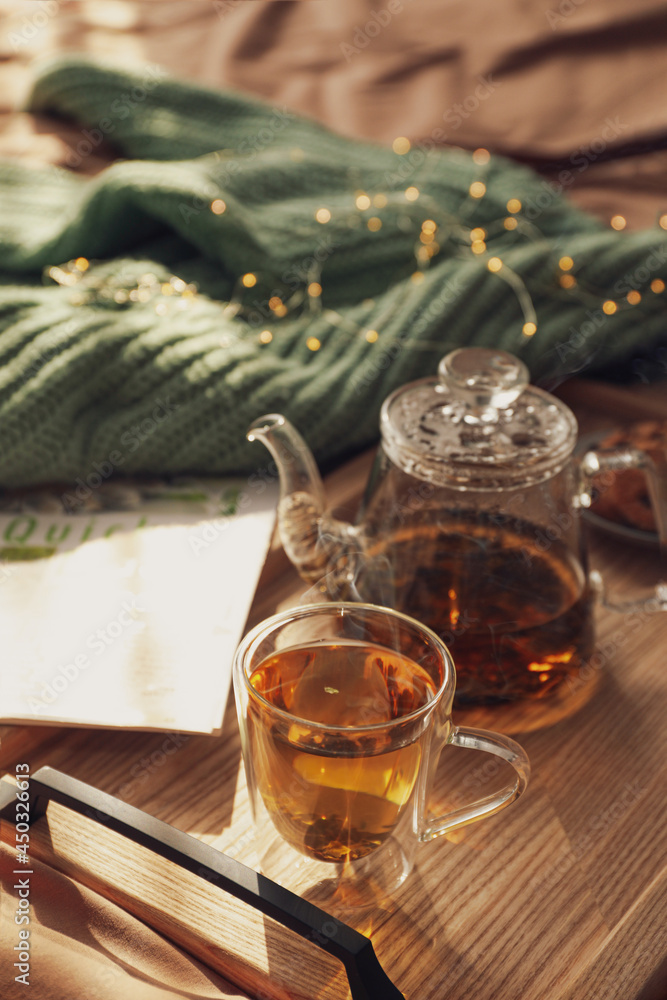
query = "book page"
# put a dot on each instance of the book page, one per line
(130, 618)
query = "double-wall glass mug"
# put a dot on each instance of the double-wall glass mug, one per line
(344, 709)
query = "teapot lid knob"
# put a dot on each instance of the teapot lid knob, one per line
(484, 380)
(479, 426)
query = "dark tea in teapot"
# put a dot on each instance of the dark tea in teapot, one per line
(514, 609)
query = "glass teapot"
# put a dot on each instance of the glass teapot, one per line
(470, 523)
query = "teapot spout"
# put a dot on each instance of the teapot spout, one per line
(314, 542)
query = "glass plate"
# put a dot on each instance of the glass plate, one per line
(624, 532)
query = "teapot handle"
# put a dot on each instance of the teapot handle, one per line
(594, 464)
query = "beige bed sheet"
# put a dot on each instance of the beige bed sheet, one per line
(83, 947)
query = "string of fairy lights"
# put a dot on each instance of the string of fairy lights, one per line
(418, 212)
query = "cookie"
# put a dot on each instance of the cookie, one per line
(623, 496)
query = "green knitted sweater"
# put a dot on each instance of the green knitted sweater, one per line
(217, 186)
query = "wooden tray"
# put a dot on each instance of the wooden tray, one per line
(563, 896)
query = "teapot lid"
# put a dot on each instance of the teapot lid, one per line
(479, 425)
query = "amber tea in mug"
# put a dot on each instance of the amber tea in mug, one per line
(344, 709)
(329, 797)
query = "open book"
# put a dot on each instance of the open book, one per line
(126, 611)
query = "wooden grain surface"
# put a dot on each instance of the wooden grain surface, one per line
(562, 896)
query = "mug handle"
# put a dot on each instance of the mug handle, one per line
(500, 746)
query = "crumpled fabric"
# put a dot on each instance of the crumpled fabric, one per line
(214, 186)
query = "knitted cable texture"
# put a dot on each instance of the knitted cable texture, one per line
(174, 393)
